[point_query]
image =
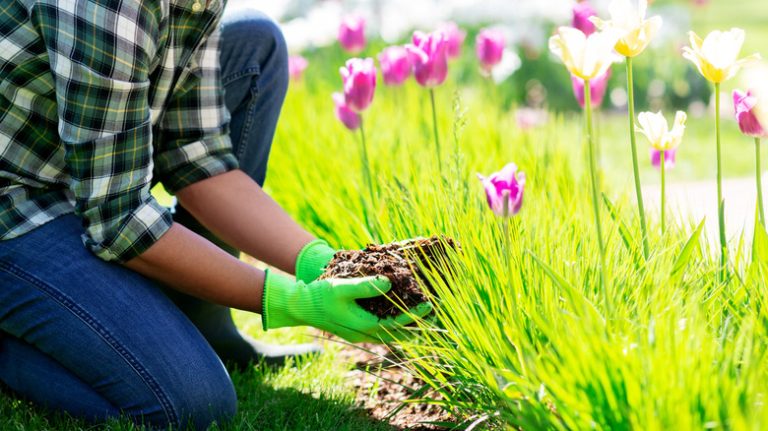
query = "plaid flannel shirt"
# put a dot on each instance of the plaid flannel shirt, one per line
(98, 101)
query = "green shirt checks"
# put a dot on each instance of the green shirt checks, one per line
(100, 99)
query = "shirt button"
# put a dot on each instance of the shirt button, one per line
(196, 6)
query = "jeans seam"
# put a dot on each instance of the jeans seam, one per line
(251, 70)
(101, 331)
(241, 148)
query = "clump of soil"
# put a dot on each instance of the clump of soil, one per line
(399, 262)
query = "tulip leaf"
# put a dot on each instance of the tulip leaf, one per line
(624, 232)
(573, 295)
(687, 252)
(759, 242)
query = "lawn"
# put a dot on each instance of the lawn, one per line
(526, 334)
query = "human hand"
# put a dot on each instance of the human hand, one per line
(312, 260)
(330, 305)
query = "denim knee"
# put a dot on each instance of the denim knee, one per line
(202, 402)
(259, 44)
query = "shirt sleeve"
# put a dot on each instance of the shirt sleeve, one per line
(194, 130)
(100, 55)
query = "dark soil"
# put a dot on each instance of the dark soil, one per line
(399, 262)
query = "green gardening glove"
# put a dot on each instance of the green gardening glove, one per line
(312, 260)
(330, 305)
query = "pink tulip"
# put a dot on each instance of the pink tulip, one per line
(743, 105)
(348, 117)
(429, 58)
(359, 77)
(597, 89)
(454, 38)
(669, 158)
(395, 65)
(528, 118)
(296, 66)
(489, 46)
(352, 34)
(581, 14)
(504, 186)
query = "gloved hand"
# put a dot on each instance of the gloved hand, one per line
(312, 260)
(330, 305)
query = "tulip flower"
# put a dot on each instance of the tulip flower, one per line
(296, 66)
(656, 129)
(504, 190)
(454, 38)
(347, 116)
(352, 34)
(663, 140)
(429, 57)
(716, 58)
(745, 105)
(636, 31)
(359, 77)
(395, 65)
(489, 46)
(528, 118)
(597, 87)
(587, 57)
(669, 158)
(582, 12)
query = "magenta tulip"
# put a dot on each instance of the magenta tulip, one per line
(352, 34)
(454, 38)
(489, 46)
(395, 65)
(528, 118)
(581, 14)
(597, 89)
(669, 158)
(348, 117)
(296, 66)
(429, 58)
(359, 77)
(744, 104)
(504, 190)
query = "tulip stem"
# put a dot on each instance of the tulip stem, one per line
(434, 129)
(633, 143)
(366, 164)
(663, 183)
(759, 179)
(593, 177)
(720, 201)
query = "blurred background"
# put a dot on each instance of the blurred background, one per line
(528, 75)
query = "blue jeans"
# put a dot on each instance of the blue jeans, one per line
(97, 340)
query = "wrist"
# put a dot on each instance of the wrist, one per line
(312, 259)
(286, 302)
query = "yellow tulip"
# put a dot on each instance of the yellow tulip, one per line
(716, 56)
(585, 56)
(656, 129)
(636, 31)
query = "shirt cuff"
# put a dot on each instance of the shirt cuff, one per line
(195, 162)
(141, 228)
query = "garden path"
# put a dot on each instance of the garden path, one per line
(689, 202)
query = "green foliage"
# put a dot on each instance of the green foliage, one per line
(523, 336)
